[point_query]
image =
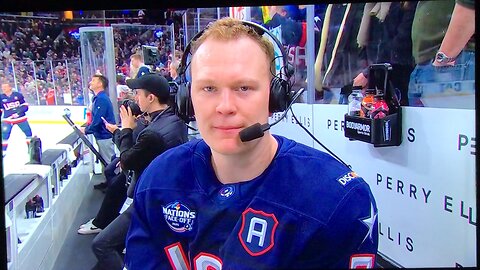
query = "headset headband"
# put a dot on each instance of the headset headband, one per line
(254, 26)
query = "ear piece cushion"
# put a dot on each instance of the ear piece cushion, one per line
(279, 95)
(184, 102)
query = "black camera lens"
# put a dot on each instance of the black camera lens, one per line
(127, 103)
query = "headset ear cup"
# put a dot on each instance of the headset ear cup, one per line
(189, 105)
(182, 100)
(279, 95)
(290, 70)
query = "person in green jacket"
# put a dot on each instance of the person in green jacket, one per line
(444, 50)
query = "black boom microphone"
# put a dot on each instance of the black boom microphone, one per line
(257, 130)
(253, 132)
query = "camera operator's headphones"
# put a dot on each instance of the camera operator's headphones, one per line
(280, 88)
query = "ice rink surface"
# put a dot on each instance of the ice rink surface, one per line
(17, 151)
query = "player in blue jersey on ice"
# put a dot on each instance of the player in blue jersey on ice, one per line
(13, 107)
(267, 203)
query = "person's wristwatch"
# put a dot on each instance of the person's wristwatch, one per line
(442, 58)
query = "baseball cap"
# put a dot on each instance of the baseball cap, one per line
(153, 83)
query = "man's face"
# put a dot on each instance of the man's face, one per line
(95, 84)
(173, 70)
(134, 63)
(230, 91)
(142, 99)
(6, 89)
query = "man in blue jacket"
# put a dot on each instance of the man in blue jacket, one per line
(101, 108)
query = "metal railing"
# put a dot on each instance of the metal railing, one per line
(46, 82)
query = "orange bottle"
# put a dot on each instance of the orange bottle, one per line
(367, 103)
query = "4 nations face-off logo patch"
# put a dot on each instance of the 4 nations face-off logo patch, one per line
(179, 217)
(257, 232)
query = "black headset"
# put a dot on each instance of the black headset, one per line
(280, 88)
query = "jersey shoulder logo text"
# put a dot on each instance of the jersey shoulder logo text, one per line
(179, 217)
(257, 232)
(346, 178)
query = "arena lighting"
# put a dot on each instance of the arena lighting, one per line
(159, 33)
(68, 15)
(75, 34)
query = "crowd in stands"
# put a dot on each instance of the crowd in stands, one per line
(129, 40)
(35, 57)
(41, 58)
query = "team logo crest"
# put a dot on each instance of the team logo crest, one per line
(257, 232)
(226, 192)
(179, 217)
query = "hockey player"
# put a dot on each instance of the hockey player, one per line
(269, 203)
(13, 112)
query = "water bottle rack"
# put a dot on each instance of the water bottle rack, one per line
(379, 132)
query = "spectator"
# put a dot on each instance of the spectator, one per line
(123, 92)
(292, 31)
(137, 65)
(50, 96)
(173, 74)
(444, 51)
(385, 36)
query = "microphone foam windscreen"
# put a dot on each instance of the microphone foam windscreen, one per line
(251, 133)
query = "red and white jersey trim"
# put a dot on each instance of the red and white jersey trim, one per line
(15, 120)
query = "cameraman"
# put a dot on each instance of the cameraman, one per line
(115, 187)
(165, 130)
(111, 170)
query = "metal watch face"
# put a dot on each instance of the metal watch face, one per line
(443, 58)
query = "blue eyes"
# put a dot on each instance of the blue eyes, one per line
(208, 89)
(241, 89)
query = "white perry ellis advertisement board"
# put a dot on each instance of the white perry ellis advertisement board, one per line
(424, 188)
(288, 126)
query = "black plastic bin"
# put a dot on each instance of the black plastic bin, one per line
(379, 132)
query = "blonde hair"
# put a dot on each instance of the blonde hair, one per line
(230, 29)
(175, 64)
(137, 56)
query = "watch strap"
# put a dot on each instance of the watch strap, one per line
(441, 57)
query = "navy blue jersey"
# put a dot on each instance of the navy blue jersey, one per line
(305, 211)
(142, 71)
(11, 105)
